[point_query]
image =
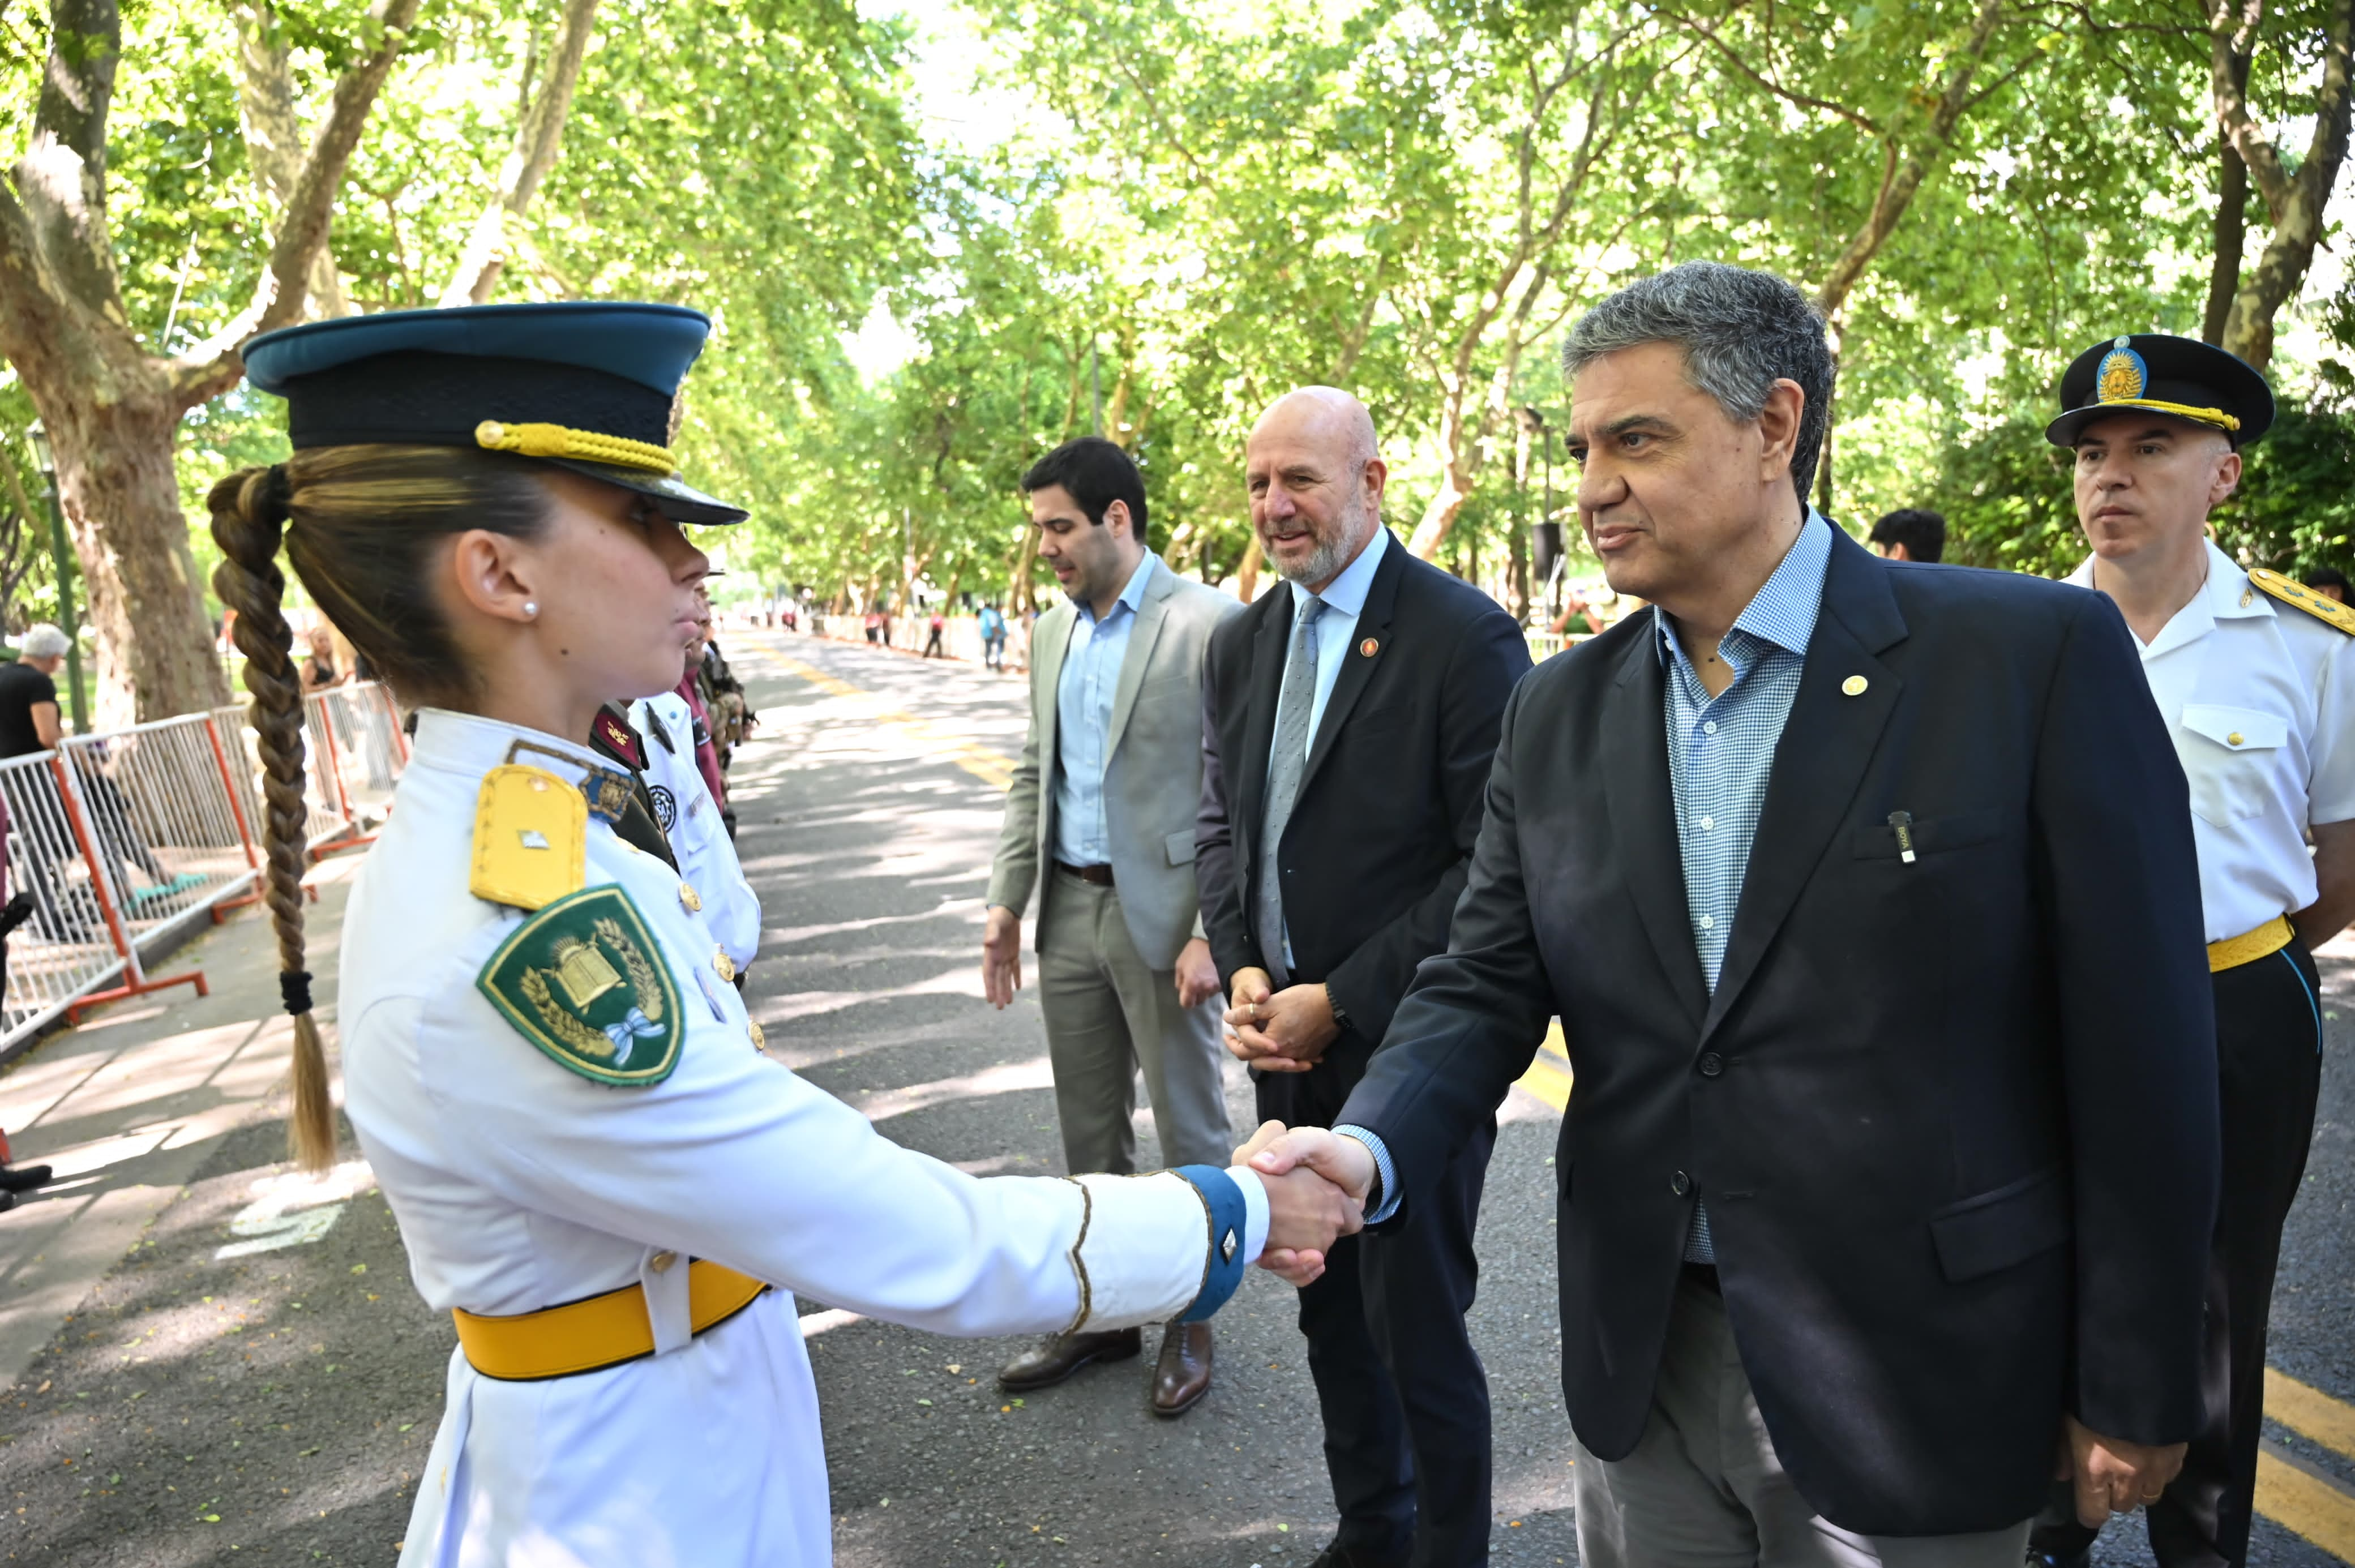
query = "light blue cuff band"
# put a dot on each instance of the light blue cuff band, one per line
(1389, 1187)
(1229, 1227)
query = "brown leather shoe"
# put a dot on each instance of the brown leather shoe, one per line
(1049, 1362)
(1184, 1375)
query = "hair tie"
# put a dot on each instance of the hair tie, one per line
(295, 990)
(278, 489)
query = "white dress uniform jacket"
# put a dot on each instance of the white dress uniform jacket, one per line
(2261, 700)
(690, 820)
(519, 1184)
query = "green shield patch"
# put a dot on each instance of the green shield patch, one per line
(584, 981)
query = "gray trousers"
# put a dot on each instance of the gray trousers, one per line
(1703, 1488)
(1109, 1015)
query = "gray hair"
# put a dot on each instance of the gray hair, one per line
(1740, 331)
(42, 641)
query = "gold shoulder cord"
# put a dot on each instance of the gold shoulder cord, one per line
(2299, 595)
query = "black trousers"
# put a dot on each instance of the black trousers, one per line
(2269, 1058)
(1402, 1393)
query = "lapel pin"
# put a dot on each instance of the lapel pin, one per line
(1853, 686)
(1369, 647)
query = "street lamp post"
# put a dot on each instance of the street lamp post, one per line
(61, 560)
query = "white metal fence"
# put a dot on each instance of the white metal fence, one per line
(119, 841)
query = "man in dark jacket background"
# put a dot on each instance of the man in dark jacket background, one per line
(1352, 717)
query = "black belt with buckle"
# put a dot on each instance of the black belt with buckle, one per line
(1095, 876)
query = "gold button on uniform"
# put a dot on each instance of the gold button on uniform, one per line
(2246, 595)
(689, 897)
(2234, 738)
(760, 1036)
(660, 1262)
(723, 966)
(1853, 686)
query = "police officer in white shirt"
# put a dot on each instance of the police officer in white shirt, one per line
(2255, 677)
(608, 1190)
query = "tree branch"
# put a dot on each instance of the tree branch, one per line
(213, 367)
(61, 179)
(2233, 36)
(274, 134)
(1857, 118)
(540, 137)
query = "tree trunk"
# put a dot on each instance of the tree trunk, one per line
(275, 138)
(113, 410)
(2296, 202)
(122, 500)
(2232, 226)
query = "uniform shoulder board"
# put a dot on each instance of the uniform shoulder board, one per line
(532, 838)
(2321, 606)
(612, 734)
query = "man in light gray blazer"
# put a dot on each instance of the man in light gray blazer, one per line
(1100, 822)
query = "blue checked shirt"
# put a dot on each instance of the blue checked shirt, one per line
(1720, 754)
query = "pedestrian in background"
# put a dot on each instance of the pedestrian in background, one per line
(992, 637)
(1356, 711)
(935, 625)
(2329, 582)
(29, 692)
(1910, 533)
(2254, 677)
(1100, 822)
(1867, 902)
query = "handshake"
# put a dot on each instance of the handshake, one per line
(1316, 1187)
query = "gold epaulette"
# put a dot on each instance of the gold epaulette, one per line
(2321, 606)
(532, 838)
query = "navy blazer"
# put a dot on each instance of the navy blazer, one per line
(1955, 1119)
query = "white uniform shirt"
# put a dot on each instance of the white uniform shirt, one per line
(519, 1184)
(690, 820)
(2260, 698)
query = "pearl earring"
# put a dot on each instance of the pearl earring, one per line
(530, 608)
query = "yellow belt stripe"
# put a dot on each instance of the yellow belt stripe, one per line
(2250, 945)
(600, 1332)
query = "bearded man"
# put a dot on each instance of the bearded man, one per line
(1352, 717)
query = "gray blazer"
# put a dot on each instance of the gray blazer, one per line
(1153, 770)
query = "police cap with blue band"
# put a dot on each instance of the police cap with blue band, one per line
(1224, 1270)
(586, 385)
(2153, 372)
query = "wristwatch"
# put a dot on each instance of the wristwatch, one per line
(1333, 1005)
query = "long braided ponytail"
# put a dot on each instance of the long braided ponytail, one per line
(361, 524)
(250, 514)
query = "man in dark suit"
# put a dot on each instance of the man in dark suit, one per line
(1866, 895)
(1354, 718)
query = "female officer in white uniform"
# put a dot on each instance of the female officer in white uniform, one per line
(593, 1171)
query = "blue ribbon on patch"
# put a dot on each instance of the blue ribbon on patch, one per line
(633, 1026)
(1228, 1213)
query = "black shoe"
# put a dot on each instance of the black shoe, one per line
(2038, 1558)
(24, 1178)
(7, 1201)
(1339, 1556)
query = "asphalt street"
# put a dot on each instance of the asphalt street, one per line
(256, 1382)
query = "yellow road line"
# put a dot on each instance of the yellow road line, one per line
(1549, 1076)
(2300, 1501)
(2310, 1412)
(990, 767)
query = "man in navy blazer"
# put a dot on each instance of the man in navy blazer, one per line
(1865, 894)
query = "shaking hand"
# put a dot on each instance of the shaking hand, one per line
(1321, 1177)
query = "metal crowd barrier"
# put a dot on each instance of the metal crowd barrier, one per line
(121, 840)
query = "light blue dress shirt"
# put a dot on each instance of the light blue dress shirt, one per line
(1720, 756)
(1345, 600)
(1083, 694)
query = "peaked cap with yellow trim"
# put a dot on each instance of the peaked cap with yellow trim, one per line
(587, 385)
(2180, 378)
